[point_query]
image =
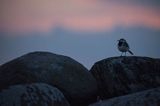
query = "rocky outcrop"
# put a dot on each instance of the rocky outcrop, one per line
(69, 76)
(145, 98)
(123, 75)
(37, 94)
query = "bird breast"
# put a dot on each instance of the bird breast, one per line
(123, 48)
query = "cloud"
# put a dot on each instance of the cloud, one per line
(43, 15)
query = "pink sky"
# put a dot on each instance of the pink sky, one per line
(44, 15)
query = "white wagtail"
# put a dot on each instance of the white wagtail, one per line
(123, 46)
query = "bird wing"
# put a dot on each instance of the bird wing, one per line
(126, 44)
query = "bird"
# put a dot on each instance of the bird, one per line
(123, 46)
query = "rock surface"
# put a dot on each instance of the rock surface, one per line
(123, 75)
(37, 94)
(72, 78)
(144, 98)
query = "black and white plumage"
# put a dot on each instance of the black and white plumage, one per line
(123, 46)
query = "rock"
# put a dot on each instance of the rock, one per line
(73, 79)
(144, 98)
(37, 94)
(123, 75)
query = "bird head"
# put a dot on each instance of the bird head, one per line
(122, 40)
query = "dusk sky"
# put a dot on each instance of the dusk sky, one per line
(85, 30)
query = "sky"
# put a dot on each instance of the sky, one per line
(85, 30)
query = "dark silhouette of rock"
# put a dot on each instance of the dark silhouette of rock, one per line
(73, 79)
(123, 75)
(145, 98)
(37, 94)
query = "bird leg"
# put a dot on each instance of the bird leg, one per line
(121, 54)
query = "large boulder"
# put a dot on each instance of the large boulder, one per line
(145, 98)
(73, 79)
(123, 75)
(37, 94)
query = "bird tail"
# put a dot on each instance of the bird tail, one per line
(130, 52)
